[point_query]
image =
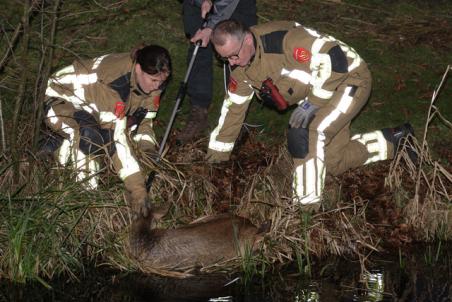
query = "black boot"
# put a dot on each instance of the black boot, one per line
(48, 145)
(197, 123)
(395, 136)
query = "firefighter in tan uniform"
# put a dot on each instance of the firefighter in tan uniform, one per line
(95, 105)
(329, 82)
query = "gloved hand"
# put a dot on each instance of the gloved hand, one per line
(139, 200)
(215, 157)
(303, 115)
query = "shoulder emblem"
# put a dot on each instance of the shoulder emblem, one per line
(156, 102)
(232, 86)
(120, 110)
(301, 54)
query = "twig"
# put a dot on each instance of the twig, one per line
(11, 45)
(41, 81)
(424, 138)
(2, 127)
(22, 87)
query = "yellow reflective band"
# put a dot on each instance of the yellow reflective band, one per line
(107, 117)
(213, 143)
(308, 189)
(312, 32)
(145, 137)
(64, 153)
(150, 115)
(97, 61)
(128, 162)
(220, 146)
(86, 167)
(51, 115)
(375, 144)
(321, 72)
(346, 100)
(299, 75)
(352, 54)
(64, 71)
(238, 99)
(317, 45)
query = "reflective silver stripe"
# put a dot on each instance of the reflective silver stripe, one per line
(298, 75)
(342, 107)
(309, 189)
(238, 99)
(214, 144)
(346, 100)
(220, 146)
(312, 32)
(63, 71)
(51, 115)
(317, 45)
(150, 115)
(67, 76)
(351, 53)
(97, 61)
(375, 144)
(86, 167)
(64, 153)
(312, 191)
(107, 117)
(128, 162)
(72, 99)
(145, 137)
(321, 72)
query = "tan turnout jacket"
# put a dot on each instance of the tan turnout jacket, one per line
(96, 86)
(296, 59)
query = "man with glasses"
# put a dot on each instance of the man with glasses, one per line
(200, 83)
(326, 80)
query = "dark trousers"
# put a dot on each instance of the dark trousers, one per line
(200, 82)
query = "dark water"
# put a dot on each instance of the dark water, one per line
(422, 275)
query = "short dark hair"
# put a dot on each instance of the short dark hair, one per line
(153, 59)
(228, 27)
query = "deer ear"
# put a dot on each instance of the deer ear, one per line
(159, 212)
(264, 227)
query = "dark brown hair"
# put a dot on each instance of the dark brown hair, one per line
(153, 59)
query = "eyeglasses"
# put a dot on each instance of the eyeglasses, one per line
(235, 56)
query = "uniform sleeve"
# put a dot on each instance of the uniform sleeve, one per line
(233, 112)
(222, 10)
(321, 58)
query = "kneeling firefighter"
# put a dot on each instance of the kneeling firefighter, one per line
(94, 105)
(325, 79)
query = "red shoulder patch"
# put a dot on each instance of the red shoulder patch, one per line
(301, 54)
(232, 86)
(120, 110)
(156, 102)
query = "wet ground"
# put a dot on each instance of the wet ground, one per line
(422, 273)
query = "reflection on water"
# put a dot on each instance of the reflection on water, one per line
(307, 295)
(417, 277)
(375, 285)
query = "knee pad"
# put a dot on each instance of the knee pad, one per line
(298, 142)
(93, 139)
(85, 119)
